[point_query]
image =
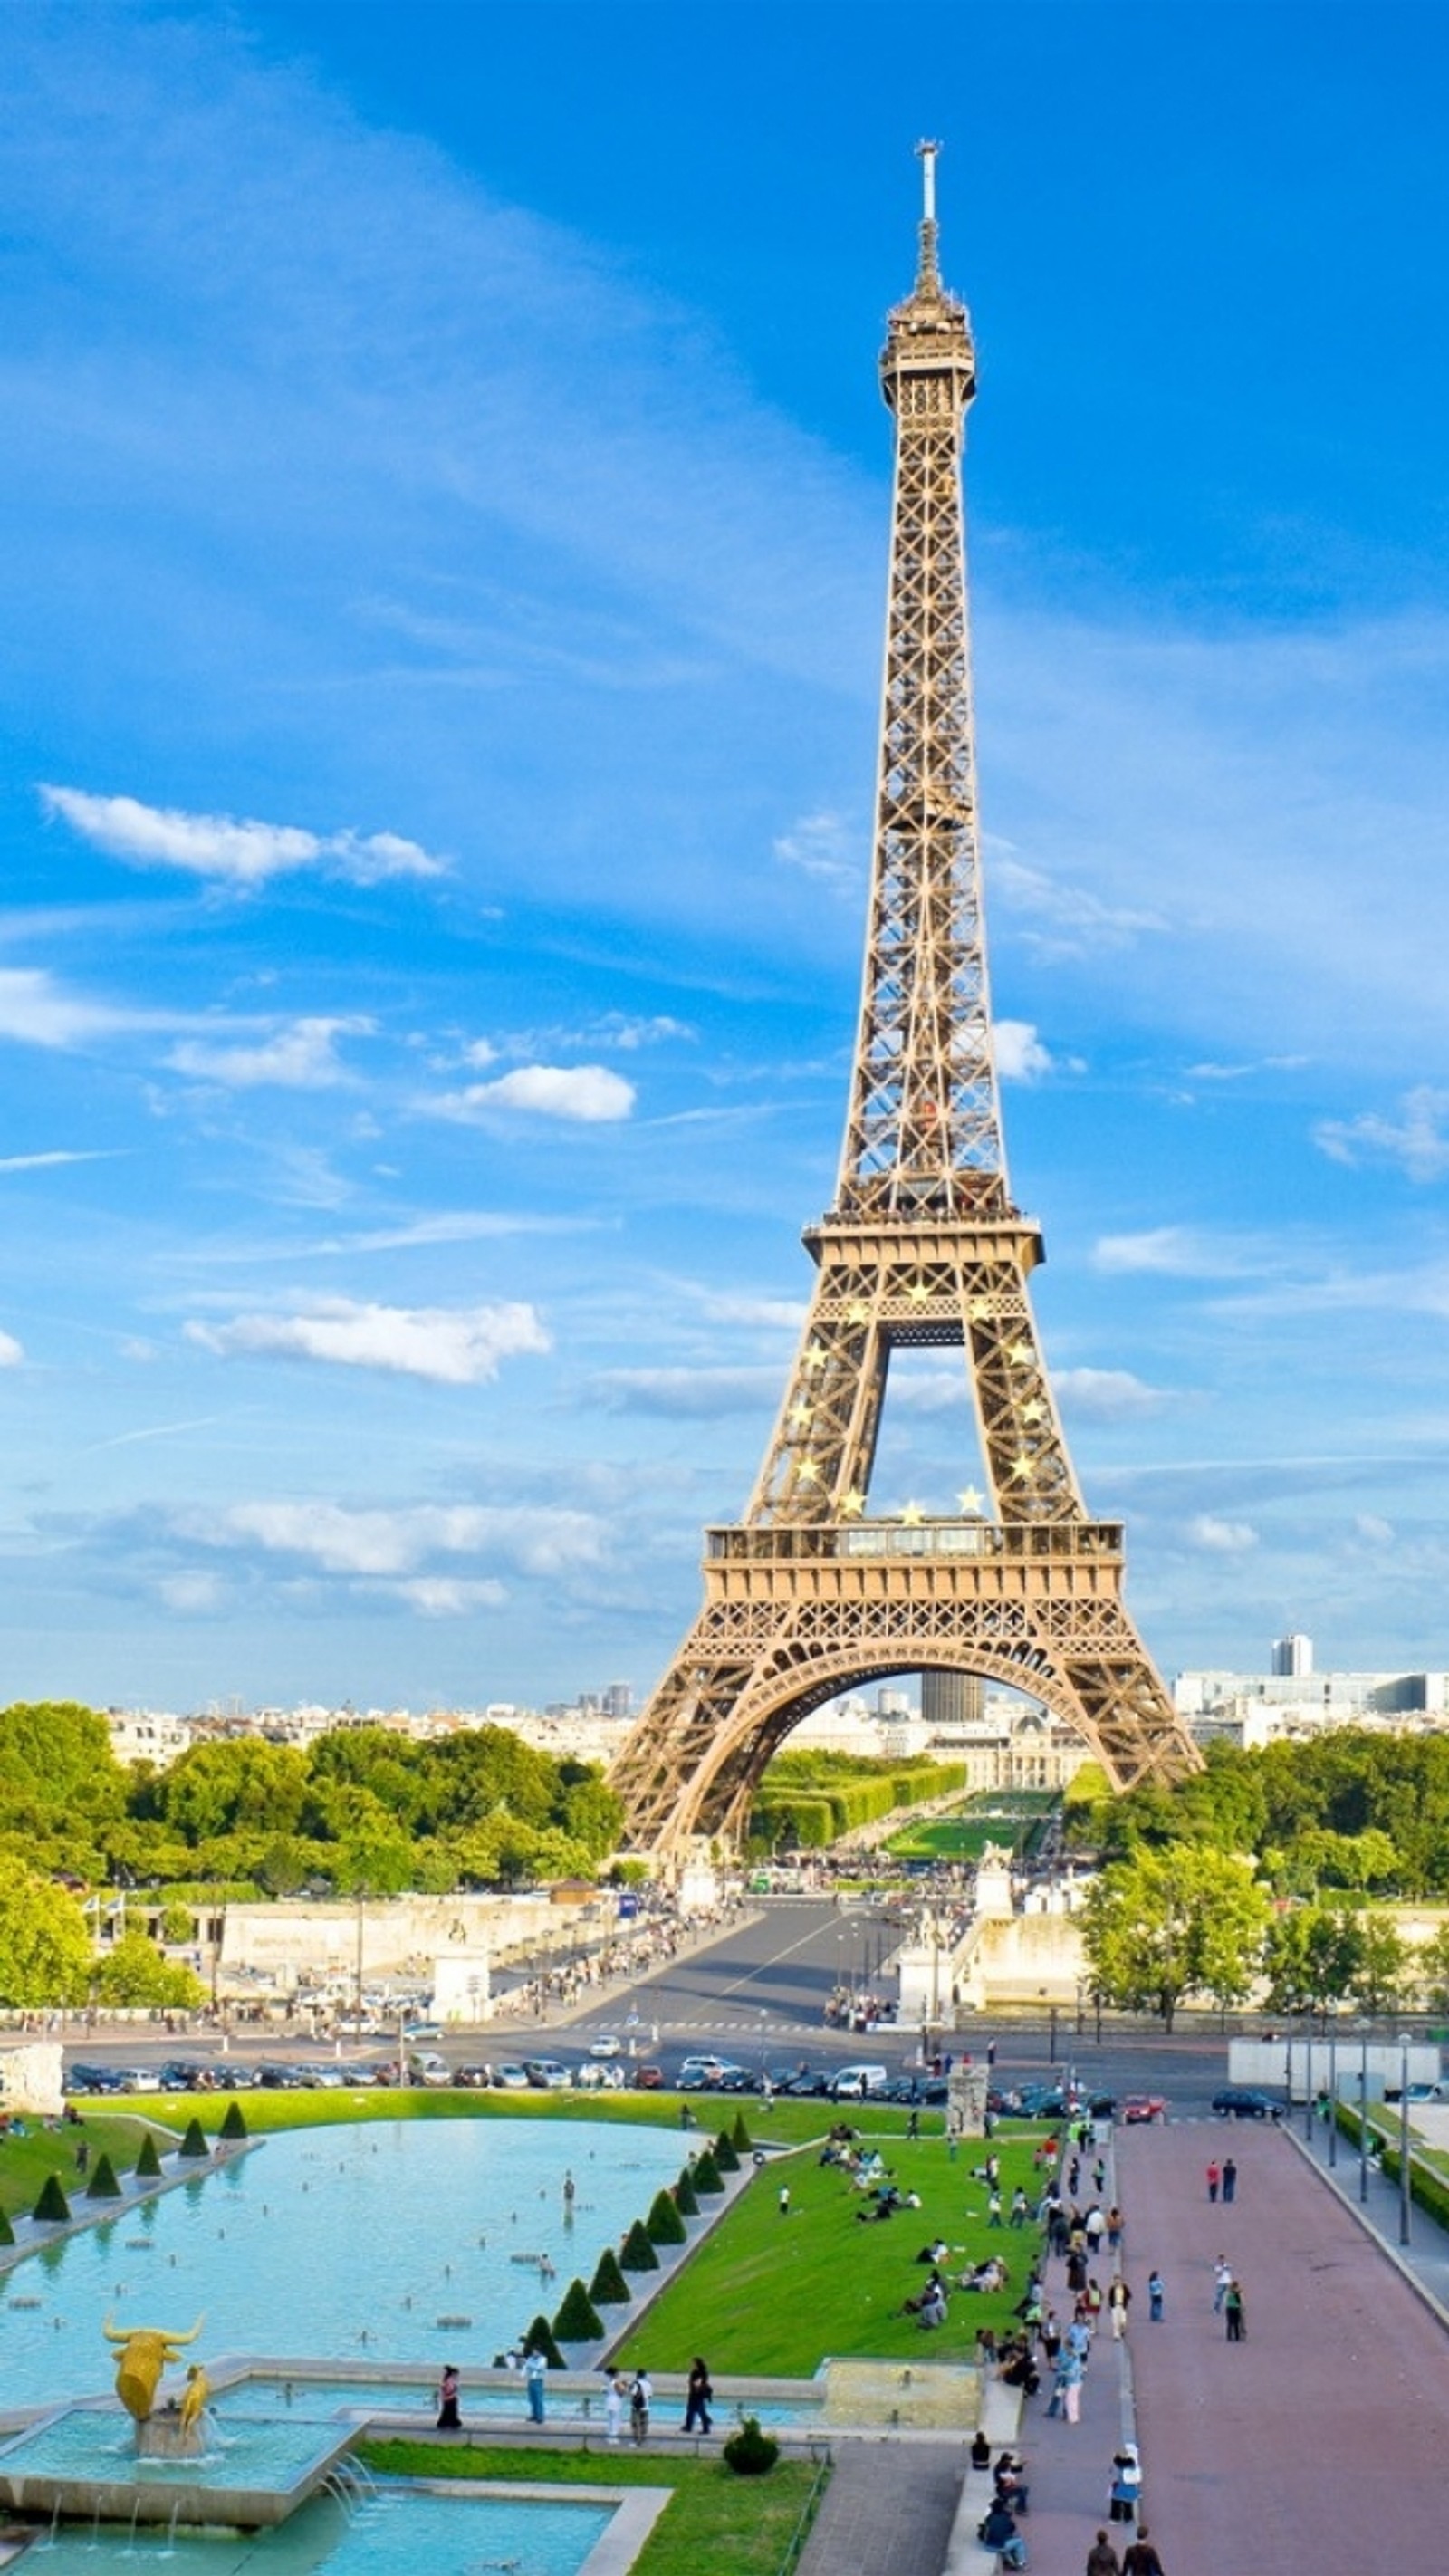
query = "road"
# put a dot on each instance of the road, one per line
(757, 1997)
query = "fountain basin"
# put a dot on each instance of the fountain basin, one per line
(81, 2463)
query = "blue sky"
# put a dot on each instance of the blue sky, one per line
(443, 509)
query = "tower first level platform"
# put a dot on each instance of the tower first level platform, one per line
(795, 1614)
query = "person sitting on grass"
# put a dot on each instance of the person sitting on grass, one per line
(991, 2275)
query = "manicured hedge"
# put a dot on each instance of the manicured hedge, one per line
(52, 2208)
(664, 2223)
(638, 2254)
(706, 2175)
(195, 2141)
(148, 2163)
(608, 2288)
(539, 2338)
(578, 2320)
(103, 2184)
(235, 2124)
(684, 2195)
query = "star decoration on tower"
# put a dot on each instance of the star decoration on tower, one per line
(970, 1501)
(852, 1505)
(912, 1517)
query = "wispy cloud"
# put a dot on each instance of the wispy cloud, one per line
(300, 1058)
(49, 1162)
(343, 1540)
(610, 1029)
(1416, 1142)
(240, 854)
(36, 1010)
(1221, 1538)
(826, 847)
(452, 1348)
(686, 1394)
(589, 1095)
(1107, 1395)
(1062, 920)
(1178, 1252)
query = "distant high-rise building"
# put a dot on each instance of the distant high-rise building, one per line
(1292, 1657)
(619, 1699)
(952, 1699)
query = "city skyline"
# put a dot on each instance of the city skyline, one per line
(447, 516)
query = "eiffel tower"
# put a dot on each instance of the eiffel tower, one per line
(811, 1594)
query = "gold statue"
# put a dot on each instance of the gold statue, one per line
(196, 2397)
(145, 2352)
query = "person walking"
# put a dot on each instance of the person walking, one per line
(1069, 2380)
(1140, 2558)
(535, 2376)
(1233, 2311)
(1214, 2178)
(1230, 2180)
(1126, 2483)
(1119, 2300)
(1102, 2558)
(1222, 2275)
(1156, 2293)
(784, 2200)
(641, 2398)
(697, 2396)
(449, 2420)
(614, 2396)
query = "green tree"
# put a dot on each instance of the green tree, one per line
(134, 1971)
(45, 1945)
(1432, 1969)
(235, 1786)
(1312, 1955)
(1165, 1924)
(1382, 1972)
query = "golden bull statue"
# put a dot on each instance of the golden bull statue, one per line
(144, 2353)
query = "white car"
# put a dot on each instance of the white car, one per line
(605, 2046)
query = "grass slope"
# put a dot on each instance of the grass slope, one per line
(789, 2122)
(25, 2162)
(779, 2295)
(715, 2524)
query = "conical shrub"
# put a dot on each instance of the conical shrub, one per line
(638, 2254)
(608, 2288)
(235, 2124)
(103, 2184)
(707, 2174)
(684, 2199)
(578, 2320)
(539, 2338)
(664, 2224)
(743, 2142)
(7, 2232)
(52, 2208)
(148, 2163)
(194, 2142)
(724, 2153)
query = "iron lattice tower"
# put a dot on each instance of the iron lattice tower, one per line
(810, 1595)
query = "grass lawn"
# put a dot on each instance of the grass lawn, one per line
(777, 2295)
(715, 2524)
(988, 1817)
(25, 2162)
(789, 2122)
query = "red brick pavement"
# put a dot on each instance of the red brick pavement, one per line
(1315, 2447)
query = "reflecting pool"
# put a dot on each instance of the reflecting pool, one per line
(396, 2533)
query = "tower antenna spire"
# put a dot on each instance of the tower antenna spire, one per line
(929, 273)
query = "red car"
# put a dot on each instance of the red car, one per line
(1139, 2108)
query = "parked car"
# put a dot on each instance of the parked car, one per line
(606, 2045)
(428, 2068)
(510, 2079)
(648, 2079)
(546, 2075)
(860, 2083)
(1140, 2108)
(475, 2079)
(697, 2074)
(1243, 2102)
(95, 2079)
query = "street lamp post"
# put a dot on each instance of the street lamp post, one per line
(1333, 2097)
(1406, 2196)
(1363, 2119)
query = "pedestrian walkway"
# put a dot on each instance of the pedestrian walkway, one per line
(1426, 2256)
(888, 2510)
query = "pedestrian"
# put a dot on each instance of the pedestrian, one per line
(1230, 2180)
(535, 2374)
(1156, 2292)
(1019, 2208)
(913, 2125)
(784, 2200)
(1214, 2177)
(1069, 2373)
(698, 2396)
(614, 2396)
(1119, 2300)
(991, 2052)
(1233, 2311)
(1114, 2229)
(449, 2420)
(993, 2208)
(1102, 2558)
(641, 2398)
(1139, 2558)
(1126, 2483)
(997, 2530)
(1222, 2275)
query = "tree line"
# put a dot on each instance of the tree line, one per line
(1259, 1875)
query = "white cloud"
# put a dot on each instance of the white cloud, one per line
(1173, 1252)
(1062, 920)
(1373, 1529)
(618, 1029)
(449, 1347)
(11, 1353)
(1221, 1538)
(192, 1595)
(588, 1094)
(684, 1394)
(925, 1390)
(48, 1162)
(1020, 1055)
(782, 1314)
(438, 1596)
(338, 1539)
(826, 847)
(1416, 1141)
(1106, 1395)
(299, 1058)
(35, 1009)
(235, 853)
